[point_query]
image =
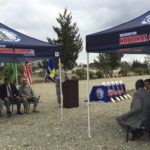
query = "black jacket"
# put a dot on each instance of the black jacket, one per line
(3, 90)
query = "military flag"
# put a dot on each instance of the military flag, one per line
(12, 73)
(50, 72)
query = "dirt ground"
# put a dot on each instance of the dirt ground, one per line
(45, 130)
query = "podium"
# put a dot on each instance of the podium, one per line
(70, 94)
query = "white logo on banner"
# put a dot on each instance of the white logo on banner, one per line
(99, 93)
(56, 54)
(146, 20)
(6, 35)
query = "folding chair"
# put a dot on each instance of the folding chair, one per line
(12, 103)
(137, 133)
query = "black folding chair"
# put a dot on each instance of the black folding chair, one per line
(12, 103)
(137, 133)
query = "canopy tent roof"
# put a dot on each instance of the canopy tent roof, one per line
(15, 46)
(132, 37)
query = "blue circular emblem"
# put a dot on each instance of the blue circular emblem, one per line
(6, 35)
(99, 93)
(146, 20)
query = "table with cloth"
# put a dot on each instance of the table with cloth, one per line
(103, 93)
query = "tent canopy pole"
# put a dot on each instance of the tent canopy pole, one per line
(61, 97)
(89, 128)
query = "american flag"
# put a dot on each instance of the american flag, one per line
(27, 72)
(31, 51)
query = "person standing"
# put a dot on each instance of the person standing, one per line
(27, 95)
(64, 77)
(9, 94)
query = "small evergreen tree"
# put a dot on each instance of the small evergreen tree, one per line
(68, 39)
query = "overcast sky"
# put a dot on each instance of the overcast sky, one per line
(36, 17)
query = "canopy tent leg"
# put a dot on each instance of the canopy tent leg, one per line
(61, 97)
(89, 128)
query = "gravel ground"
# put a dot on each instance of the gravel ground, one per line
(45, 131)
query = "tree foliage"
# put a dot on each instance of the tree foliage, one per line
(100, 74)
(81, 73)
(138, 64)
(7, 72)
(43, 64)
(124, 71)
(108, 62)
(68, 38)
(139, 71)
(125, 64)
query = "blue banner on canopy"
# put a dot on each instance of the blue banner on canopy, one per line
(15, 46)
(132, 37)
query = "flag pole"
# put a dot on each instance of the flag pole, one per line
(16, 74)
(32, 79)
(61, 100)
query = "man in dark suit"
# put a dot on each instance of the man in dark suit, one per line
(9, 94)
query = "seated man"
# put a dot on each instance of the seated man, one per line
(140, 108)
(147, 84)
(26, 93)
(9, 94)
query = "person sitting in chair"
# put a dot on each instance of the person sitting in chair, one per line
(147, 84)
(27, 94)
(9, 94)
(139, 110)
